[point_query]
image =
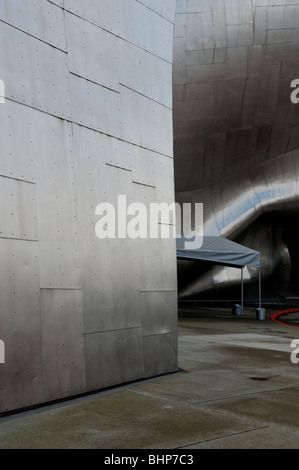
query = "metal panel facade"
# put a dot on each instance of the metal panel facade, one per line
(236, 129)
(87, 117)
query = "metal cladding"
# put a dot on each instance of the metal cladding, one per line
(236, 133)
(84, 119)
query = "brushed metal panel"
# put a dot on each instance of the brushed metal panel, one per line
(219, 24)
(124, 282)
(159, 315)
(138, 69)
(164, 177)
(143, 166)
(199, 31)
(101, 13)
(140, 116)
(58, 2)
(147, 250)
(92, 52)
(157, 346)
(149, 262)
(96, 107)
(18, 209)
(43, 20)
(36, 74)
(56, 201)
(21, 375)
(135, 19)
(118, 152)
(63, 362)
(113, 357)
(17, 142)
(241, 169)
(168, 265)
(95, 260)
(165, 8)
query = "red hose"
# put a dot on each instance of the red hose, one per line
(281, 313)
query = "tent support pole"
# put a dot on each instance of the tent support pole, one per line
(242, 291)
(260, 289)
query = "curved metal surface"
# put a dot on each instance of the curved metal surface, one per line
(236, 133)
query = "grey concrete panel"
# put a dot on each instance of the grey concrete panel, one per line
(18, 203)
(17, 142)
(63, 362)
(43, 20)
(21, 375)
(39, 71)
(113, 357)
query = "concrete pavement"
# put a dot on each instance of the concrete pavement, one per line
(236, 388)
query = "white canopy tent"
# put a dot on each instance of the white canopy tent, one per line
(219, 250)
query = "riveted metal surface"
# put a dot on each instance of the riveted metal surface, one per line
(92, 52)
(157, 346)
(63, 361)
(168, 263)
(113, 357)
(143, 166)
(82, 128)
(235, 126)
(136, 68)
(20, 329)
(164, 179)
(146, 250)
(140, 115)
(41, 19)
(96, 107)
(157, 316)
(60, 3)
(163, 8)
(18, 209)
(16, 136)
(95, 263)
(56, 202)
(39, 71)
(124, 283)
(154, 39)
(102, 14)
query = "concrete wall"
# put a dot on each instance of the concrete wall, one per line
(87, 116)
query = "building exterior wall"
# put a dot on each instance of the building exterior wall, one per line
(87, 117)
(236, 134)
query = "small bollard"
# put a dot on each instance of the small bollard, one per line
(260, 314)
(237, 309)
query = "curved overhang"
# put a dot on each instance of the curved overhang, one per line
(236, 129)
